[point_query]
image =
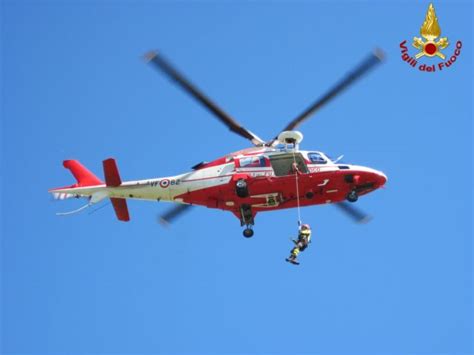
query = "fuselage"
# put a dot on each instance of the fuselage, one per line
(274, 178)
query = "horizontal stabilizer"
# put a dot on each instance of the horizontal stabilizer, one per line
(112, 176)
(121, 209)
(112, 179)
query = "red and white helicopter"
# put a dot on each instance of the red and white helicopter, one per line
(272, 175)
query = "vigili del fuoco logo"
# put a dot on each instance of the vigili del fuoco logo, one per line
(430, 46)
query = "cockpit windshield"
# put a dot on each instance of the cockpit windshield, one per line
(316, 158)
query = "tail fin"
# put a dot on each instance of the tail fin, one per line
(83, 176)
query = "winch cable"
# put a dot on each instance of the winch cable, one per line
(295, 166)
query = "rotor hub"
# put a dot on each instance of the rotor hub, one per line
(290, 137)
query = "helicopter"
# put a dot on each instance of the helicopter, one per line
(268, 176)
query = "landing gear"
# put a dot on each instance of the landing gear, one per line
(246, 219)
(241, 188)
(248, 232)
(352, 196)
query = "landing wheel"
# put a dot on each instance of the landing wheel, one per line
(352, 196)
(248, 233)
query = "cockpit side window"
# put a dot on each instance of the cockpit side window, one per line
(316, 158)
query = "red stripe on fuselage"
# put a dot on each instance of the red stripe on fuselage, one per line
(335, 190)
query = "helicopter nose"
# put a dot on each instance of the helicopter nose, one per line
(381, 178)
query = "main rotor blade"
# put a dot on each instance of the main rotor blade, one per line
(173, 74)
(364, 67)
(173, 213)
(354, 213)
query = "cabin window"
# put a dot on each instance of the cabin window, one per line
(252, 162)
(283, 164)
(316, 158)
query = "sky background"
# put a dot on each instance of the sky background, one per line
(74, 85)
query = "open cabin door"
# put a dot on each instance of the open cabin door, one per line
(282, 164)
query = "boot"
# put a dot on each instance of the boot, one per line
(292, 259)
